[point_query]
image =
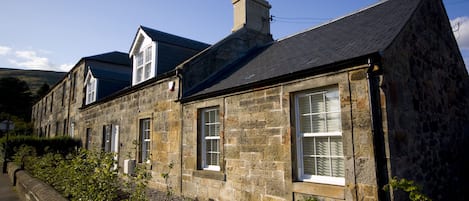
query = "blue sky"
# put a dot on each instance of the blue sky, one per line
(56, 34)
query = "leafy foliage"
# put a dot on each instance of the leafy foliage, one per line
(137, 184)
(42, 91)
(83, 175)
(59, 145)
(408, 186)
(17, 100)
(165, 176)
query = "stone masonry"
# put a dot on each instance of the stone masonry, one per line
(257, 144)
(426, 110)
(152, 101)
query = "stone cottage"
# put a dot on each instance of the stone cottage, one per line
(333, 112)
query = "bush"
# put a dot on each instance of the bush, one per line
(58, 145)
(408, 186)
(83, 175)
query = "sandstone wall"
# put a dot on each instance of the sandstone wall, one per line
(152, 101)
(57, 107)
(425, 90)
(257, 135)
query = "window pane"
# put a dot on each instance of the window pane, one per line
(211, 116)
(322, 146)
(318, 123)
(304, 105)
(336, 146)
(317, 103)
(216, 115)
(308, 146)
(147, 70)
(305, 124)
(213, 130)
(323, 166)
(139, 59)
(206, 117)
(208, 145)
(139, 74)
(332, 101)
(148, 54)
(309, 167)
(338, 167)
(333, 122)
(212, 151)
(212, 159)
(146, 135)
(216, 130)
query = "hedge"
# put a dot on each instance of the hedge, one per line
(60, 145)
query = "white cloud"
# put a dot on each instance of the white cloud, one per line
(461, 31)
(4, 50)
(30, 59)
(65, 67)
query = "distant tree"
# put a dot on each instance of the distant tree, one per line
(42, 91)
(15, 98)
(18, 127)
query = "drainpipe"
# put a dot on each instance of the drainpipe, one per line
(181, 115)
(70, 76)
(373, 73)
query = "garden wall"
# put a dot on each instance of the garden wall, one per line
(30, 188)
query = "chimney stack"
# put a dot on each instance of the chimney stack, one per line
(252, 14)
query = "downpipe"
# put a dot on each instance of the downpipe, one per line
(373, 73)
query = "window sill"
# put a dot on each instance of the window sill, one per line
(324, 190)
(208, 174)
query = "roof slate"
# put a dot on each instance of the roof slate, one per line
(111, 57)
(156, 35)
(362, 33)
(114, 73)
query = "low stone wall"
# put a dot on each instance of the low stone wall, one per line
(30, 188)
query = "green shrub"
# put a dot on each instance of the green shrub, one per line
(59, 145)
(407, 186)
(84, 175)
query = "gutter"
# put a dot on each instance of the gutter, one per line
(373, 73)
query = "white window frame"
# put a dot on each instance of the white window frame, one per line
(115, 144)
(72, 129)
(204, 138)
(91, 92)
(144, 68)
(299, 140)
(145, 142)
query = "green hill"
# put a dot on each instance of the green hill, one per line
(34, 78)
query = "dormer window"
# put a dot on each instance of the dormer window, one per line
(154, 53)
(91, 91)
(143, 64)
(91, 86)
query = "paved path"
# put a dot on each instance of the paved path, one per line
(7, 191)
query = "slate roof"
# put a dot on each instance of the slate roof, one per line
(114, 73)
(111, 79)
(111, 57)
(173, 49)
(362, 33)
(156, 35)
